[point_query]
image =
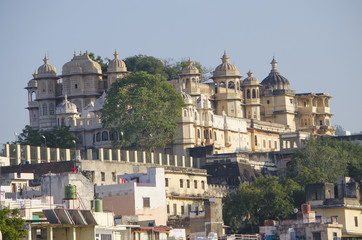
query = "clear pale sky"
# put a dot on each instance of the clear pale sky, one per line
(318, 44)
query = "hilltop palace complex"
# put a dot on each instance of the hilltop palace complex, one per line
(229, 112)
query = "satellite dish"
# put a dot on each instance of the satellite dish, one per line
(295, 210)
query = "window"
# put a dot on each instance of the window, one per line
(275, 144)
(45, 109)
(321, 122)
(188, 183)
(264, 144)
(106, 237)
(166, 182)
(104, 136)
(168, 208)
(198, 133)
(182, 210)
(356, 221)
(113, 176)
(174, 209)
(305, 104)
(51, 109)
(181, 183)
(254, 93)
(202, 184)
(195, 184)
(215, 136)
(267, 102)
(103, 176)
(98, 137)
(248, 93)
(335, 236)
(75, 85)
(291, 100)
(256, 141)
(269, 143)
(189, 208)
(146, 202)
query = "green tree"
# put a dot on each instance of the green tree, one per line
(261, 200)
(144, 108)
(58, 137)
(148, 64)
(11, 226)
(324, 160)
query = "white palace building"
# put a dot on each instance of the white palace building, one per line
(229, 112)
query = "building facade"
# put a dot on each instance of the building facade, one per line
(228, 111)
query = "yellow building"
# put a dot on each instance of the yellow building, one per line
(344, 207)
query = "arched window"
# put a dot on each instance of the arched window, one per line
(185, 113)
(248, 93)
(32, 96)
(231, 85)
(254, 93)
(215, 136)
(206, 134)
(198, 133)
(98, 137)
(215, 88)
(114, 136)
(51, 109)
(222, 84)
(188, 83)
(256, 141)
(45, 109)
(104, 136)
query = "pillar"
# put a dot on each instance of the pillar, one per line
(183, 161)
(160, 158)
(144, 160)
(101, 156)
(48, 154)
(57, 157)
(38, 155)
(7, 150)
(110, 154)
(67, 155)
(89, 154)
(152, 158)
(135, 156)
(175, 158)
(18, 154)
(118, 155)
(191, 162)
(27, 153)
(50, 233)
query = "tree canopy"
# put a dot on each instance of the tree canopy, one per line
(11, 226)
(99, 60)
(167, 68)
(324, 159)
(263, 199)
(144, 108)
(58, 137)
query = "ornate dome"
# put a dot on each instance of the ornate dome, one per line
(46, 70)
(66, 107)
(190, 69)
(274, 80)
(226, 68)
(81, 64)
(250, 80)
(116, 65)
(187, 98)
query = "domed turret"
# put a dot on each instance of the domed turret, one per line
(66, 107)
(226, 68)
(81, 64)
(46, 70)
(274, 80)
(190, 69)
(116, 65)
(250, 80)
